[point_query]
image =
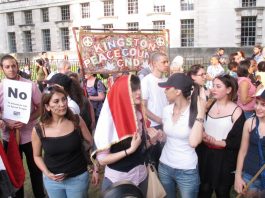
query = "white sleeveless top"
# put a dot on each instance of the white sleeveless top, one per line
(177, 152)
(218, 127)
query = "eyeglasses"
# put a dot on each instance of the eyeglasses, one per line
(202, 74)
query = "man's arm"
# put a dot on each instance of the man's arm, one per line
(150, 114)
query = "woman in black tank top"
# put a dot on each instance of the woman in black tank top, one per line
(59, 133)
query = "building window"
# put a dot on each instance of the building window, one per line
(248, 31)
(65, 12)
(28, 41)
(133, 26)
(248, 3)
(107, 26)
(187, 33)
(46, 39)
(28, 17)
(10, 19)
(186, 5)
(85, 10)
(108, 8)
(45, 14)
(159, 8)
(157, 25)
(12, 42)
(132, 6)
(65, 39)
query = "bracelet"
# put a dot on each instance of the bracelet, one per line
(126, 154)
(201, 120)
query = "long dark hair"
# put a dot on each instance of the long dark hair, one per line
(193, 70)
(229, 81)
(193, 104)
(46, 116)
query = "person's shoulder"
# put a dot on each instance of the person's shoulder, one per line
(169, 107)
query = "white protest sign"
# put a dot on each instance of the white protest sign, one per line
(17, 100)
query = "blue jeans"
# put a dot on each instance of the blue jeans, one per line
(187, 180)
(256, 185)
(72, 187)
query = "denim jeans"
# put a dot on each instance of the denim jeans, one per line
(187, 181)
(73, 187)
(256, 185)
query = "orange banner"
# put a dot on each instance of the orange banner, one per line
(110, 52)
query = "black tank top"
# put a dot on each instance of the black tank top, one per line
(64, 154)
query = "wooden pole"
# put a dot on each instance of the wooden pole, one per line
(252, 180)
(17, 133)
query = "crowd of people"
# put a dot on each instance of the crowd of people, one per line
(202, 128)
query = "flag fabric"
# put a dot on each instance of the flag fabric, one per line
(13, 162)
(117, 120)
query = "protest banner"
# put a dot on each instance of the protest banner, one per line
(17, 100)
(111, 52)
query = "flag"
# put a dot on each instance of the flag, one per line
(13, 162)
(117, 114)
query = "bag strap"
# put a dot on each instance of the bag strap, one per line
(39, 130)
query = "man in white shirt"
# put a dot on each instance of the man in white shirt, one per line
(153, 96)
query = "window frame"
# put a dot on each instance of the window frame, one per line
(65, 38)
(10, 19)
(45, 14)
(12, 44)
(248, 34)
(133, 7)
(109, 8)
(248, 3)
(85, 10)
(28, 40)
(65, 13)
(133, 26)
(159, 24)
(186, 5)
(28, 17)
(46, 39)
(187, 32)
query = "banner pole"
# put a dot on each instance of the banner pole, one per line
(82, 71)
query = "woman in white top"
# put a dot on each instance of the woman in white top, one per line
(221, 140)
(183, 126)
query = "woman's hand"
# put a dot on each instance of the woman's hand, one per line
(11, 124)
(95, 178)
(239, 184)
(55, 177)
(135, 143)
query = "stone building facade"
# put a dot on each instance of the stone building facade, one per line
(28, 27)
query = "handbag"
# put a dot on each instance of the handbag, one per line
(155, 188)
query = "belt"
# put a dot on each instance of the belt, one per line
(214, 147)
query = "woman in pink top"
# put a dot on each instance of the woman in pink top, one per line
(245, 88)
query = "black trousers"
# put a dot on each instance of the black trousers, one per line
(35, 173)
(222, 191)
